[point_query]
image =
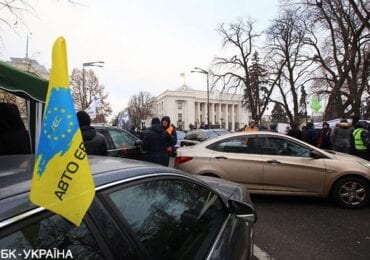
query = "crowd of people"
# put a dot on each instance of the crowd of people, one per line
(159, 140)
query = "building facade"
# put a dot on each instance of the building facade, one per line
(186, 106)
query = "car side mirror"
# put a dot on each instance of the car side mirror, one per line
(138, 142)
(315, 154)
(243, 210)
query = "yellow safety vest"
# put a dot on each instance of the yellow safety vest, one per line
(359, 143)
(170, 130)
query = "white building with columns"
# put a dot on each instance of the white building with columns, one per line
(186, 106)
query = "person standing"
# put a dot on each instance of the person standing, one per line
(341, 136)
(252, 127)
(294, 131)
(94, 142)
(14, 138)
(155, 143)
(323, 140)
(360, 140)
(170, 129)
(309, 134)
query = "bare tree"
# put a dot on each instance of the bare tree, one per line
(84, 93)
(15, 10)
(140, 107)
(290, 66)
(362, 11)
(233, 73)
(340, 42)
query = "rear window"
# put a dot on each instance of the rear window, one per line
(212, 134)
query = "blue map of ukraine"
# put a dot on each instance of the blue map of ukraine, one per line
(59, 125)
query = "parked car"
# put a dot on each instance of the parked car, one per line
(121, 143)
(199, 135)
(273, 163)
(180, 137)
(140, 211)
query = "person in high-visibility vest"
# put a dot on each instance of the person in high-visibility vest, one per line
(170, 129)
(252, 127)
(360, 141)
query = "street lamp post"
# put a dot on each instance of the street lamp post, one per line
(89, 64)
(206, 72)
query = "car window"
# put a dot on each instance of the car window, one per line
(176, 219)
(221, 132)
(240, 144)
(196, 135)
(121, 139)
(211, 134)
(108, 140)
(180, 134)
(279, 146)
(54, 233)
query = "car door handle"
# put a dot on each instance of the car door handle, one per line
(221, 157)
(273, 162)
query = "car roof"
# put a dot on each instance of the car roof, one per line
(259, 134)
(16, 174)
(106, 127)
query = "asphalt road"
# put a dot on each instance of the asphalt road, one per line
(310, 228)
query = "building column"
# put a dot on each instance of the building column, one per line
(232, 118)
(198, 114)
(227, 116)
(212, 114)
(219, 114)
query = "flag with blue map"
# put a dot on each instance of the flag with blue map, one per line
(62, 180)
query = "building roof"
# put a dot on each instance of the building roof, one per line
(36, 67)
(184, 88)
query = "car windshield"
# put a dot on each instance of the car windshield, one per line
(212, 134)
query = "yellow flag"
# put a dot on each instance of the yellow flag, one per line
(62, 180)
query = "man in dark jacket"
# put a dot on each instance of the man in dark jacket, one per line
(295, 131)
(94, 142)
(309, 134)
(341, 136)
(323, 140)
(170, 129)
(14, 138)
(155, 143)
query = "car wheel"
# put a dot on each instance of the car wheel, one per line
(351, 192)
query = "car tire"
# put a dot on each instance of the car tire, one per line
(351, 192)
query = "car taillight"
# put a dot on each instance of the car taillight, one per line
(181, 159)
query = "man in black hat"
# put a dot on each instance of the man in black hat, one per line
(155, 143)
(94, 142)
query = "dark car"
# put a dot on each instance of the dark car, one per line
(121, 143)
(140, 211)
(199, 135)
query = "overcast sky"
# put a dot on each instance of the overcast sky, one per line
(145, 44)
